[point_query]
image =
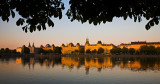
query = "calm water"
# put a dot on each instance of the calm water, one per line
(80, 70)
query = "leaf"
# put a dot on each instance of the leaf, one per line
(104, 21)
(26, 30)
(32, 28)
(135, 18)
(60, 15)
(72, 20)
(39, 27)
(139, 19)
(18, 22)
(7, 19)
(95, 22)
(13, 14)
(43, 26)
(130, 15)
(125, 17)
(147, 26)
(50, 23)
(151, 23)
(156, 21)
(21, 21)
(3, 18)
(90, 21)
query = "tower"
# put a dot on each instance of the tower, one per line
(87, 41)
(33, 44)
(29, 45)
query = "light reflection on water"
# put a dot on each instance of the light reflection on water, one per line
(71, 70)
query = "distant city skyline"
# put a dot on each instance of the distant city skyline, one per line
(116, 32)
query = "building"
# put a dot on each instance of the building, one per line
(19, 49)
(138, 44)
(34, 49)
(91, 47)
(70, 48)
(48, 47)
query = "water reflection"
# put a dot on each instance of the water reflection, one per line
(130, 63)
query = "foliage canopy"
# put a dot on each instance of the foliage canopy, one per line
(35, 14)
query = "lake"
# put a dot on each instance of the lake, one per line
(80, 70)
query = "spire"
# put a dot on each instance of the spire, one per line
(29, 45)
(87, 41)
(33, 44)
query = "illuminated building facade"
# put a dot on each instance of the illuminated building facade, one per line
(138, 44)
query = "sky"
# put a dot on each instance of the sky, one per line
(64, 31)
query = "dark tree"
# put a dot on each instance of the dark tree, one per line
(115, 50)
(2, 50)
(97, 11)
(76, 51)
(147, 49)
(7, 50)
(94, 51)
(35, 14)
(26, 50)
(143, 49)
(131, 51)
(158, 50)
(151, 50)
(13, 51)
(58, 50)
(124, 50)
(40, 50)
(100, 50)
(88, 51)
(81, 50)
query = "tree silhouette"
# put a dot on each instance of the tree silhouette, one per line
(131, 51)
(58, 50)
(97, 11)
(100, 50)
(88, 51)
(35, 14)
(124, 50)
(81, 50)
(94, 51)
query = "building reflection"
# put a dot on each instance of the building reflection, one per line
(43, 61)
(133, 63)
(70, 62)
(99, 63)
(18, 60)
(86, 62)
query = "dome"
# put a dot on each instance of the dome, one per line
(53, 45)
(41, 46)
(99, 42)
(78, 44)
(71, 44)
(47, 45)
(63, 45)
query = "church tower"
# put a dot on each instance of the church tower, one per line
(29, 45)
(87, 41)
(33, 44)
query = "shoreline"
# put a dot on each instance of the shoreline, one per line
(72, 55)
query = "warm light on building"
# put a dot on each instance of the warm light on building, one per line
(138, 44)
